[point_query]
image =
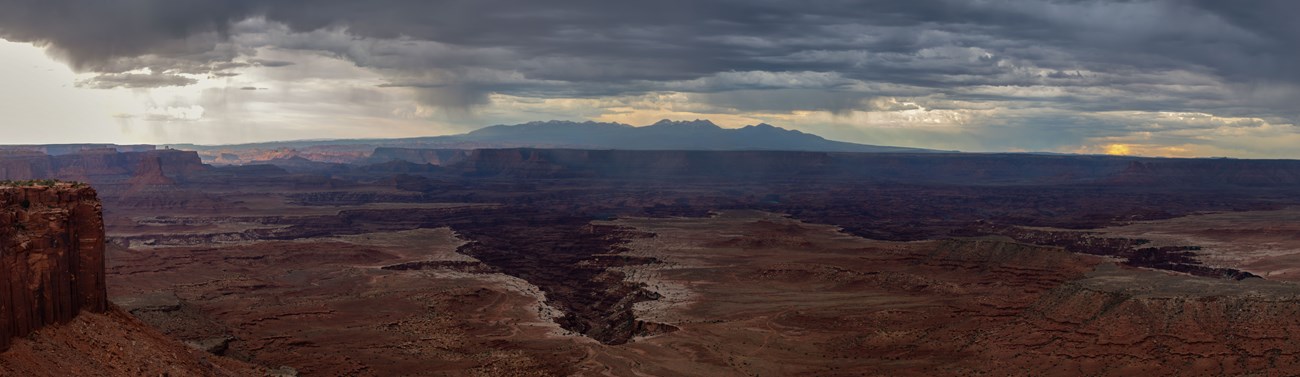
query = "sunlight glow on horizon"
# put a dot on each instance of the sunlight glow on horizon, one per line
(324, 96)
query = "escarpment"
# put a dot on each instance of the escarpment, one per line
(100, 166)
(1124, 321)
(51, 256)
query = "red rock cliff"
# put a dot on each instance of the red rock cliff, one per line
(51, 257)
(97, 165)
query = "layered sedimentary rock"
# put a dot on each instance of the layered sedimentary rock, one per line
(150, 173)
(98, 165)
(914, 168)
(62, 149)
(24, 164)
(51, 256)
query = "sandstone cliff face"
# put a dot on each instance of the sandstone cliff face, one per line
(51, 257)
(98, 165)
(150, 173)
(24, 165)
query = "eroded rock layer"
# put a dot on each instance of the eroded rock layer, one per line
(51, 257)
(99, 166)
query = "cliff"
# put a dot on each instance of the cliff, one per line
(150, 173)
(55, 317)
(98, 165)
(24, 165)
(51, 255)
(62, 149)
(912, 168)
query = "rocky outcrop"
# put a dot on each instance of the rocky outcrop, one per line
(51, 256)
(150, 173)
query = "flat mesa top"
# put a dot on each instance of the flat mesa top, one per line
(40, 183)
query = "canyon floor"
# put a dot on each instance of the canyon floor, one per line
(550, 262)
(347, 287)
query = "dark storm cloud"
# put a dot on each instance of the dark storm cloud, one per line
(269, 63)
(1102, 55)
(91, 33)
(135, 80)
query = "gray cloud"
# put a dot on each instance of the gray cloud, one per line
(135, 80)
(269, 63)
(1233, 59)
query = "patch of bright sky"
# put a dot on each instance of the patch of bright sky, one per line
(325, 97)
(39, 102)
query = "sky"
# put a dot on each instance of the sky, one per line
(1159, 78)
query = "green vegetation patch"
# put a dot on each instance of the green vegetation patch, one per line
(39, 183)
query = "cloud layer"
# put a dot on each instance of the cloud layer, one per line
(976, 75)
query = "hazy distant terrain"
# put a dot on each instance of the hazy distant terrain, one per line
(663, 135)
(573, 261)
(1052, 188)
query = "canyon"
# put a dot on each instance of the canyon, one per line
(53, 257)
(528, 261)
(55, 315)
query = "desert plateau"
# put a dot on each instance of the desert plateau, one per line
(931, 188)
(585, 262)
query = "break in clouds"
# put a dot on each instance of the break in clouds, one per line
(1154, 77)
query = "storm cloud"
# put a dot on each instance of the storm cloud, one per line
(1232, 60)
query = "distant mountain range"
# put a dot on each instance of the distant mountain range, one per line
(663, 135)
